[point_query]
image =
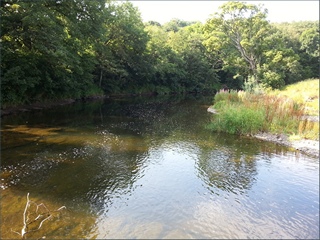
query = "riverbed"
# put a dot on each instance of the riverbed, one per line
(148, 168)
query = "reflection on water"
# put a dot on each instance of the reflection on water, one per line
(141, 168)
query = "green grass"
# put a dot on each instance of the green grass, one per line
(305, 92)
(238, 119)
(276, 112)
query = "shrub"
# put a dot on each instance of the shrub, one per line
(93, 91)
(162, 90)
(251, 86)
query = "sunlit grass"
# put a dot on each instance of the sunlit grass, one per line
(304, 92)
(309, 130)
(276, 112)
(238, 119)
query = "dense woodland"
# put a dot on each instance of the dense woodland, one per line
(59, 49)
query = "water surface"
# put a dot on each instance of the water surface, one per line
(148, 168)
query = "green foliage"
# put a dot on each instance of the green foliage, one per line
(303, 38)
(279, 65)
(92, 91)
(175, 25)
(199, 64)
(309, 40)
(251, 86)
(121, 50)
(272, 79)
(162, 90)
(181, 62)
(238, 119)
(81, 48)
(46, 49)
(253, 49)
(237, 34)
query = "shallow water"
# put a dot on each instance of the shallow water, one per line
(148, 168)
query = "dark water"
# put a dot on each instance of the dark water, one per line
(148, 168)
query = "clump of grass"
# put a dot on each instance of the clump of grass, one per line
(227, 95)
(247, 113)
(238, 119)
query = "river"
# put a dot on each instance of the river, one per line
(148, 168)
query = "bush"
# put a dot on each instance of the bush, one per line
(92, 91)
(273, 79)
(251, 86)
(162, 90)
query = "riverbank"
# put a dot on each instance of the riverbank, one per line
(43, 105)
(307, 146)
(49, 104)
(34, 106)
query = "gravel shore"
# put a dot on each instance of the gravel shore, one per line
(310, 147)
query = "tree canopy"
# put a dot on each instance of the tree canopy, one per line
(250, 46)
(57, 49)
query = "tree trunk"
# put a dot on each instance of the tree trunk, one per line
(100, 80)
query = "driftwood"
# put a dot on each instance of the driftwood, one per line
(37, 217)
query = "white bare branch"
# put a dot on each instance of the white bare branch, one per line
(44, 215)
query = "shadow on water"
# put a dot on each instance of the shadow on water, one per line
(88, 156)
(80, 156)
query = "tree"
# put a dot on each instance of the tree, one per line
(153, 23)
(199, 66)
(309, 40)
(175, 25)
(303, 38)
(280, 64)
(250, 47)
(46, 48)
(167, 66)
(121, 49)
(237, 33)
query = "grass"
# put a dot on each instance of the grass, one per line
(237, 119)
(275, 112)
(304, 92)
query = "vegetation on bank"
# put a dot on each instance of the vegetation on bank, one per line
(304, 92)
(280, 111)
(52, 50)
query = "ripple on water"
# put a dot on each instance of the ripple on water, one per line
(149, 171)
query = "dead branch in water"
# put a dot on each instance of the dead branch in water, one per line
(38, 217)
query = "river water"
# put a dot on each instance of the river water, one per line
(149, 168)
